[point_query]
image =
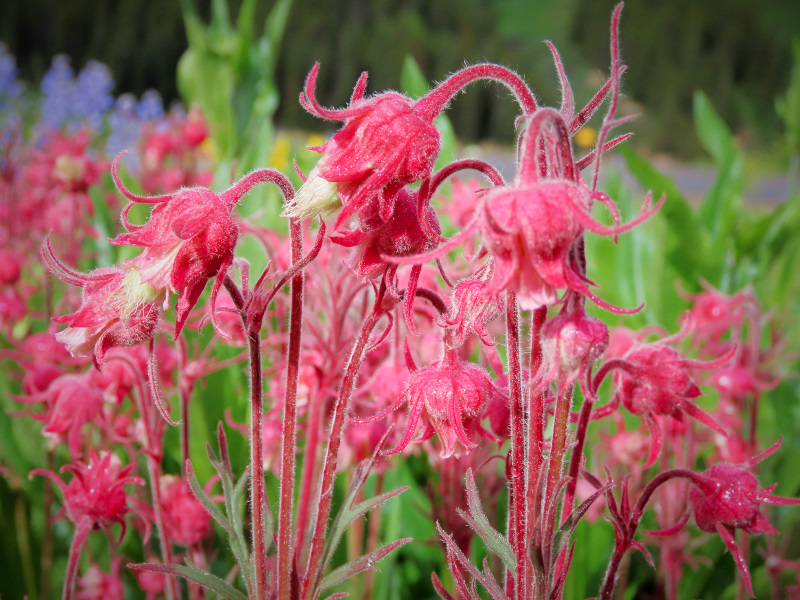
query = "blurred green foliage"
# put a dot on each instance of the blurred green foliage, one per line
(738, 51)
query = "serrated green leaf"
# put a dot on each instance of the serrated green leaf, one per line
(192, 573)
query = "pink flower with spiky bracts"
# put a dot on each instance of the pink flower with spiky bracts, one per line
(186, 520)
(118, 309)
(189, 237)
(96, 495)
(655, 379)
(450, 396)
(387, 142)
(731, 499)
(473, 307)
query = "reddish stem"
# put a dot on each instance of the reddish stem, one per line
(82, 529)
(309, 469)
(575, 458)
(312, 573)
(285, 507)
(518, 437)
(437, 99)
(257, 491)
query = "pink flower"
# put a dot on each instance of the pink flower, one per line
(571, 343)
(189, 238)
(532, 228)
(118, 309)
(655, 380)
(70, 402)
(450, 396)
(400, 235)
(94, 584)
(387, 142)
(731, 499)
(186, 520)
(96, 493)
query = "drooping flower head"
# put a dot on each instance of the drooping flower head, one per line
(654, 379)
(450, 397)
(118, 309)
(70, 402)
(731, 500)
(189, 237)
(387, 142)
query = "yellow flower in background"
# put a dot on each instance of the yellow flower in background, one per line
(586, 136)
(280, 152)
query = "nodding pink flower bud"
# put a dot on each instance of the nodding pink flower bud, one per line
(451, 397)
(189, 237)
(118, 309)
(400, 235)
(383, 146)
(96, 493)
(654, 379)
(572, 342)
(387, 142)
(95, 584)
(533, 227)
(730, 498)
(473, 307)
(186, 520)
(70, 402)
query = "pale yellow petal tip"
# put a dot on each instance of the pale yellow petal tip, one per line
(316, 196)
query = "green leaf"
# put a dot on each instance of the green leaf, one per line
(687, 242)
(209, 504)
(476, 519)
(359, 565)
(712, 131)
(192, 573)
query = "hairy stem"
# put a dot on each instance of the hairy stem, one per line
(257, 490)
(312, 573)
(288, 450)
(82, 529)
(518, 435)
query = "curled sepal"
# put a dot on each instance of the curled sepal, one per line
(494, 540)
(195, 575)
(358, 565)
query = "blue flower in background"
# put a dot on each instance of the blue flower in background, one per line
(93, 97)
(10, 88)
(124, 129)
(150, 107)
(58, 93)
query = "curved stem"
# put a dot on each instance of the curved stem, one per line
(435, 101)
(285, 507)
(575, 458)
(82, 529)
(349, 381)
